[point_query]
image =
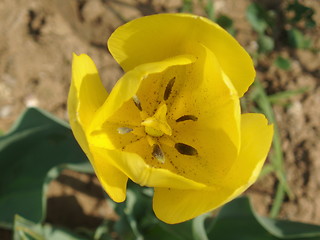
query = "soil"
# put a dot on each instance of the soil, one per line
(37, 38)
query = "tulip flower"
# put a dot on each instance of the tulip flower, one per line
(173, 121)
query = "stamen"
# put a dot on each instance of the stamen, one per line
(187, 117)
(124, 130)
(168, 90)
(186, 149)
(137, 102)
(158, 153)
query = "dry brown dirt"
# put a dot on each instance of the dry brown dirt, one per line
(37, 38)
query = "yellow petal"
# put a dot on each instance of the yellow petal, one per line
(121, 96)
(112, 180)
(176, 205)
(157, 37)
(215, 134)
(204, 95)
(208, 94)
(86, 95)
(255, 144)
(89, 93)
(203, 155)
(137, 170)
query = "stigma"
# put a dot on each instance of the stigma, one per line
(157, 125)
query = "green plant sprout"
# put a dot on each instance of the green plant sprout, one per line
(282, 63)
(223, 20)
(264, 103)
(136, 220)
(187, 6)
(263, 22)
(281, 27)
(277, 164)
(271, 33)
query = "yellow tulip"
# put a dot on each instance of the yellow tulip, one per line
(173, 121)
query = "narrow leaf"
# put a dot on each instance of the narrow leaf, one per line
(34, 152)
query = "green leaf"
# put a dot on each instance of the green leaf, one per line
(27, 230)
(209, 9)
(300, 13)
(266, 43)
(276, 98)
(137, 220)
(261, 98)
(297, 39)
(33, 153)
(257, 17)
(102, 232)
(132, 213)
(181, 231)
(267, 169)
(198, 227)
(237, 220)
(227, 23)
(282, 63)
(187, 6)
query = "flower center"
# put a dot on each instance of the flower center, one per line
(157, 125)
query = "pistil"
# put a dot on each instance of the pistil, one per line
(157, 126)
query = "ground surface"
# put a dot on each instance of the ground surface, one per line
(37, 38)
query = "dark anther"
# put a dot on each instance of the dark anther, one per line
(168, 90)
(124, 130)
(187, 117)
(186, 149)
(158, 153)
(137, 102)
